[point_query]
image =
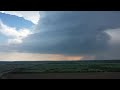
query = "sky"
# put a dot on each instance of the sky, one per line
(59, 35)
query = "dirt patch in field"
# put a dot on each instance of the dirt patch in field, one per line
(99, 75)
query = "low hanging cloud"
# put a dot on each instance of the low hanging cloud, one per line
(115, 35)
(113, 52)
(72, 33)
(13, 36)
(32, 16)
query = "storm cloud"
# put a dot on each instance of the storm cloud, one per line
(72, 33)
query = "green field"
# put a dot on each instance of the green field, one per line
(71, 67)
(59, 66)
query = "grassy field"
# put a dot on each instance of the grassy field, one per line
(6, 67)
(60, 69)
(71, 67)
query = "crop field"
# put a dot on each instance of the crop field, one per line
(72, 67)
(7, 67)
(45, 69)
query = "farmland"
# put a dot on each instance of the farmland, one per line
(47, 67)
(72, 67)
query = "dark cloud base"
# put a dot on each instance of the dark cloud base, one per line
(72, 32)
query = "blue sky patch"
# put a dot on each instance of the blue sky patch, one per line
(15, 21)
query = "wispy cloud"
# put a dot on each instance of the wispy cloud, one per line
(14, 36)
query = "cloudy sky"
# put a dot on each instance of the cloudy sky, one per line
(59, 35)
